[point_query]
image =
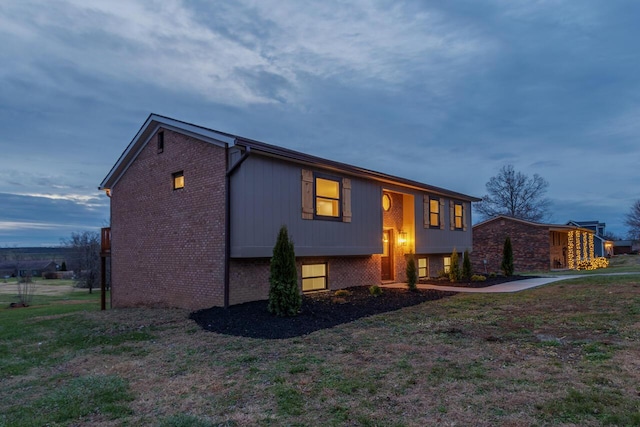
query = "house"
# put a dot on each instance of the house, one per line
(602, 246)
(195, 214)
(621, 247)
(536, 246)
(27, 268)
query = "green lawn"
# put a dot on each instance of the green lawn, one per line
(562, 354)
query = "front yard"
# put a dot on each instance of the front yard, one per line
(562, 354)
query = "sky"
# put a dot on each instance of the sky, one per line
(441, 92)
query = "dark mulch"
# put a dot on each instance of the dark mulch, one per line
(319, 311)
(489, 282)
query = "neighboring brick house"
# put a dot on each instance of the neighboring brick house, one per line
(195, 214)
(536, 246)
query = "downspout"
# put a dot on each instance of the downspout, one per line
(227, 221)
(103, 263)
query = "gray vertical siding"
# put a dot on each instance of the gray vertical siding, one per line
(266, 194)
(436, 241)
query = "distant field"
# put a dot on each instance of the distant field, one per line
(9, 287)
(561, 354)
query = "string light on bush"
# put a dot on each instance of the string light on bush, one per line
(592, 254)
(585, 245)
(570, 251)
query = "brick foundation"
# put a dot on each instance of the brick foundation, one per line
(249, 278)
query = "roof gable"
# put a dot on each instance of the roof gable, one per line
(148, 129)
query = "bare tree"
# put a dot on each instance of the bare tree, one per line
(632, 220)
(516, 195)
(26, 287)
(84, 258)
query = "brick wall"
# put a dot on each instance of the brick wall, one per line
(249, 278)
(530, 245)
(168, 245)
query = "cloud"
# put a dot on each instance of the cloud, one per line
(82, 212)
(220, 60)
(440, 92)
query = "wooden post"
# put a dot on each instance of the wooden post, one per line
(103, 282)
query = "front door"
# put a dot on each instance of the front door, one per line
(387, 255)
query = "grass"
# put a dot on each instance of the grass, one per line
(562, 354)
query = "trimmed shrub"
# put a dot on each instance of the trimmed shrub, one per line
(412, 273)
(342, 293)
(467, 272)
(454, 269)
(507, 258)
(478, 278)
(375, 290)
(284, 295)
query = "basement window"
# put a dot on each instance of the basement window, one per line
(447, 264)
(423, 271)
(178, 180)
(314, 277)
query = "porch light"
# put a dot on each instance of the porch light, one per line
(402, 238)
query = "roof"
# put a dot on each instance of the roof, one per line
(551, 227)
(587, 223)
(306, 159)
(154, 122)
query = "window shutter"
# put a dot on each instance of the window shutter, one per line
(441, 214)
(452, 220)
(464, 216)
(307, 194)
(346, 200)
(425, 211)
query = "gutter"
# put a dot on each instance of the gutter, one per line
(227, 220)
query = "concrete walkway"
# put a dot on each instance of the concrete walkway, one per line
(515, 286)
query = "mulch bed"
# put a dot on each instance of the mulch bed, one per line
(319, 311)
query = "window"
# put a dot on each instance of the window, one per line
(457, 215)
(447, 264)
(434, 212)
(423, 271)
(314, 277)
(386, 202)
(327, 197)
(178, 180)
(160, 142)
